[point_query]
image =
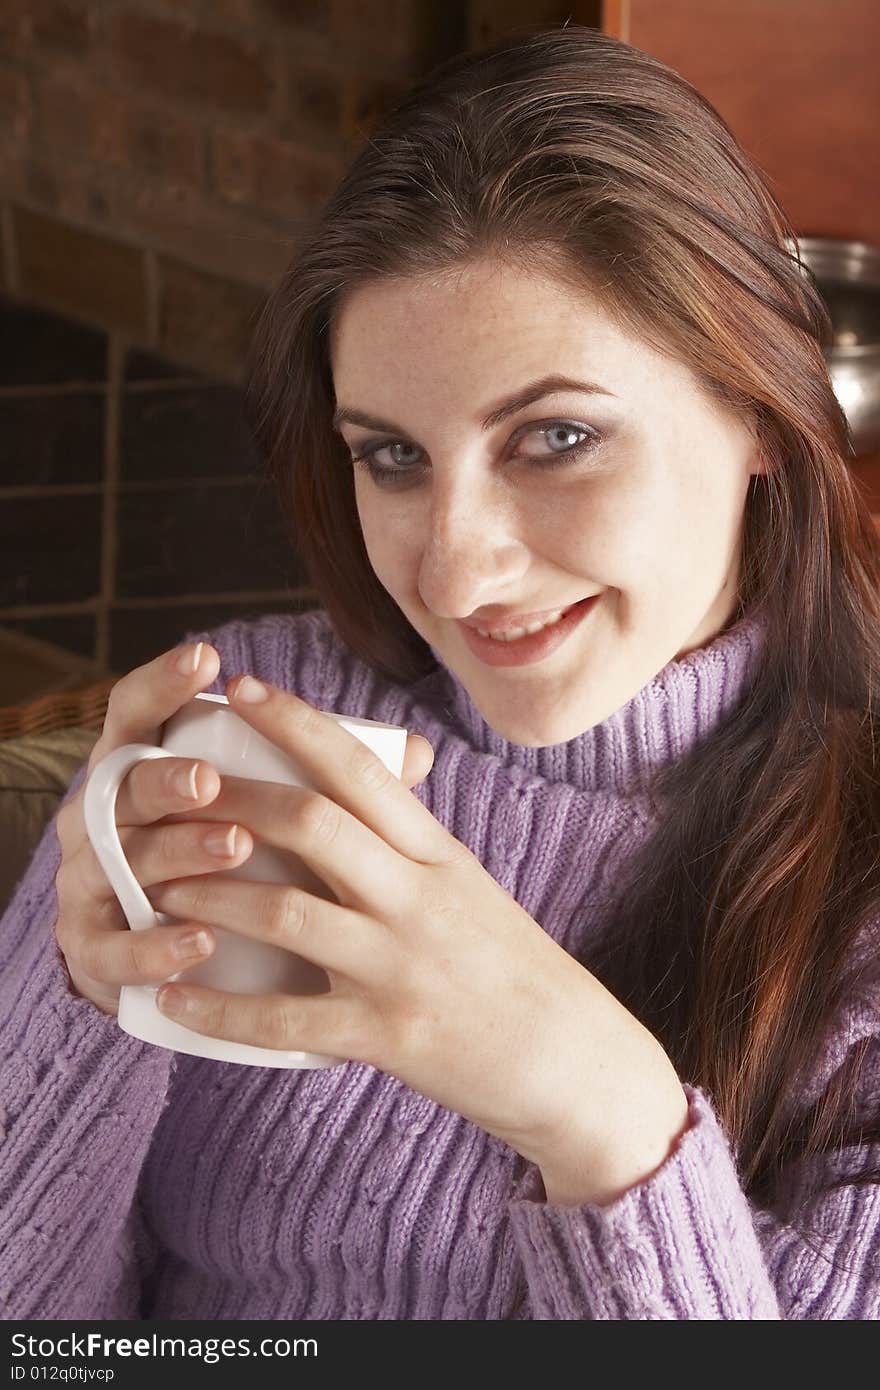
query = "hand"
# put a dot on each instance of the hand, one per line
(99, 951)
(437, 975)
(165, 830)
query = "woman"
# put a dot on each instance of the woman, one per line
(607, 981)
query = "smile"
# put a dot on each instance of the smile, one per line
(513, 633)
(537, 641)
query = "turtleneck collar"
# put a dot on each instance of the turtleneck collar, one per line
(679, 707)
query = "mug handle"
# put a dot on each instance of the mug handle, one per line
(99, 810)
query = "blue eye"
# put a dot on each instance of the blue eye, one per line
(567, 441)
(397, 450)
(564, 434)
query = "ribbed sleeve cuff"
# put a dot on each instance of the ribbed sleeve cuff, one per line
(681, 1245)
(80, 1100)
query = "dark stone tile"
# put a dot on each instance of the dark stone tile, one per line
(74, 633)
(51, 439)
(189, 432)
(39, 349)
(50, 549)
(138, 635)
(145, 366)
(202, 540)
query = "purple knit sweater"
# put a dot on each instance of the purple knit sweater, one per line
(137, 1182)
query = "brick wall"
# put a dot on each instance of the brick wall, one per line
(159, 159)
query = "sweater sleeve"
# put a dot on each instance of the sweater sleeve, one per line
(80, 1099)
(78, 1103)
(687, 1243)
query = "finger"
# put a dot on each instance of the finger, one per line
(132, 957)
(141, 701)
(418, 760)
(328, 1023)
(161, 787)
(162, 852)
(325, 933)
(343, 769)
(152, 790)
(356, 864)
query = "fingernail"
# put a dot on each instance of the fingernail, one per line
(191, 943)
(172, 1000)
(188, 661)
(250, 692)
(185, 782)
(222, 842)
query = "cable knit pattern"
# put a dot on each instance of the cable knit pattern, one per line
(135, 1182)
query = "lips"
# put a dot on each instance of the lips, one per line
(519, 620)
(525, 651)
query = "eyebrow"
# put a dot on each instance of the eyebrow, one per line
(525, 396)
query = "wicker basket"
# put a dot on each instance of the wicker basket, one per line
(64, 709)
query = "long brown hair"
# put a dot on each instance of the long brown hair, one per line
(737, 940)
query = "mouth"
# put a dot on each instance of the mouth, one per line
(528, 647)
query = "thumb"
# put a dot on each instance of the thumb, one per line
(417, 760)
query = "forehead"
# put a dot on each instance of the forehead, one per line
(454, 341)
(482, 309)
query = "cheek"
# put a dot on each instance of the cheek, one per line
(617, 532)
(680, 534)
(390, 540)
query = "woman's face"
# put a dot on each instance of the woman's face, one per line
(628, 483)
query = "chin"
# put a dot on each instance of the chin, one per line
(535, 735)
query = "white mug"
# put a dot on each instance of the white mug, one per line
(206, 727)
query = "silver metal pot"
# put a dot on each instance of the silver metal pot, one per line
(848, 277)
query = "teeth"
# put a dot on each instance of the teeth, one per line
(513, 634)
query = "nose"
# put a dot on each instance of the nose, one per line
(474, 552)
